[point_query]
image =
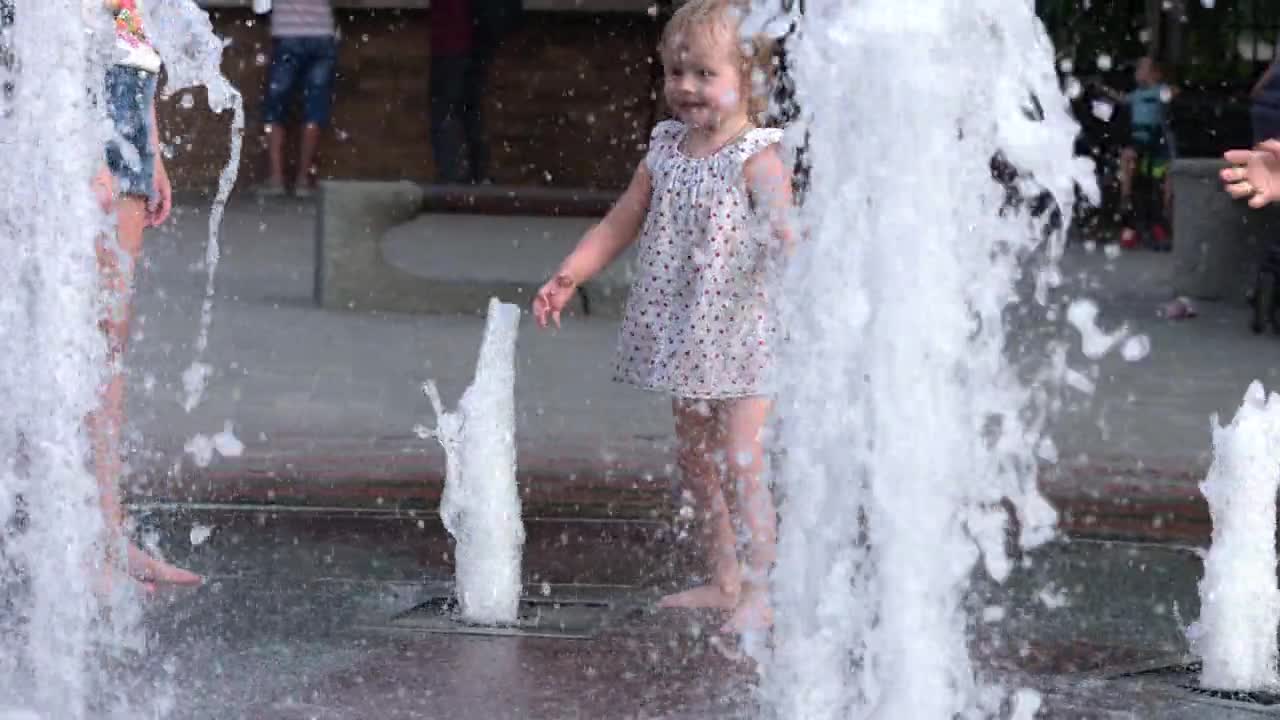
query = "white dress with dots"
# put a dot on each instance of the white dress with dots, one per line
(698, 322)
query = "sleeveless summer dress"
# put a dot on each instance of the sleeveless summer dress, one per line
(698, 322)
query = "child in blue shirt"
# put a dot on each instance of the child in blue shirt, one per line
(1144, 161)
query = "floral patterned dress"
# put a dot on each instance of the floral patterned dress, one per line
(698, 322)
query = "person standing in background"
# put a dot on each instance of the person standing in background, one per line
(465, 35)
(304, 50)
(1264, 116)
(1264, 102)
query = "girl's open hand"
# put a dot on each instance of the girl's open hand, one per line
(552, 298)
(1254, 174)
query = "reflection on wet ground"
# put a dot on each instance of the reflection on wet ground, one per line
(296, 623)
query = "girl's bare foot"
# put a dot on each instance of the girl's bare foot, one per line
(752, 612)
(150, 570)
(703, 596)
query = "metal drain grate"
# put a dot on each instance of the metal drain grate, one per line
(571, 612)
(1265, 699)
(1184, 676)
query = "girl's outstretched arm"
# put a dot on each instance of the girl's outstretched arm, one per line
(597, 248)
(769, 182)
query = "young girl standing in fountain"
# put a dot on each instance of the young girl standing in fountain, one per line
(134, 186)
(708, 205)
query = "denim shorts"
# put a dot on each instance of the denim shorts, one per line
(129, 94)
(309, 60)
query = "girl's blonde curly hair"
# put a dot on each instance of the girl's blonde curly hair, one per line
(757, 55)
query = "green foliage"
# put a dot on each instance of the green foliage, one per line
(1223, 45)
(1084, 31)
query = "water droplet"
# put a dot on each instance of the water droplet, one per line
(1136, 348)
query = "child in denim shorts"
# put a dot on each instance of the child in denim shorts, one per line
(304, 51)
(134, 186)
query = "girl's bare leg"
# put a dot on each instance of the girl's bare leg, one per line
(744, 422)
(116, 262)
(698, 436)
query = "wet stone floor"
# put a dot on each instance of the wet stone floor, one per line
(304, 616)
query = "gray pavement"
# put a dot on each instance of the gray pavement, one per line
(303, 385)
(293, 378)
(282, 630)
(297, 621)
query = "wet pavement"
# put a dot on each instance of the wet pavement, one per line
(323, 531)
(297, 621)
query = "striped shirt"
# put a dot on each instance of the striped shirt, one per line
(301, 18)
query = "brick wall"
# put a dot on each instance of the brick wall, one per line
(570, 101)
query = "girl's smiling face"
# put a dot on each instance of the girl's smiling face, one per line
(703, 83)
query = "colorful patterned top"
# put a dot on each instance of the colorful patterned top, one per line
(133, 47)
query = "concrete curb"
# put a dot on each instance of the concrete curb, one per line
(351, 272)
(1219, 239)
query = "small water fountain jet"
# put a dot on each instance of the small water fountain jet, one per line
(904, 431)
(1239, 601)
(480, 506)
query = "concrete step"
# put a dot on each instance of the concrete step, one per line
(403, 247)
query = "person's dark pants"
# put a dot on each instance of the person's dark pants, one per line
(1265, 117)
(1148, 195)
(457, 94)
(1150, 173)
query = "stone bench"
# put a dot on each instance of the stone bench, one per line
(405, 247)
(1217, 241)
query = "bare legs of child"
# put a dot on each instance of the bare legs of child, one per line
(307, 147)
(1128, 166)
(721, 454)
(700, 457)
(116, 261)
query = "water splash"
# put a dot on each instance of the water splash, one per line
(481, 504)
(64, 613)
(1239, 602)
(903, 430)
(51, 529)
(192, 55)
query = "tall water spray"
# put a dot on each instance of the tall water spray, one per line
(51, 547)
(902, 426)
(63, 612)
